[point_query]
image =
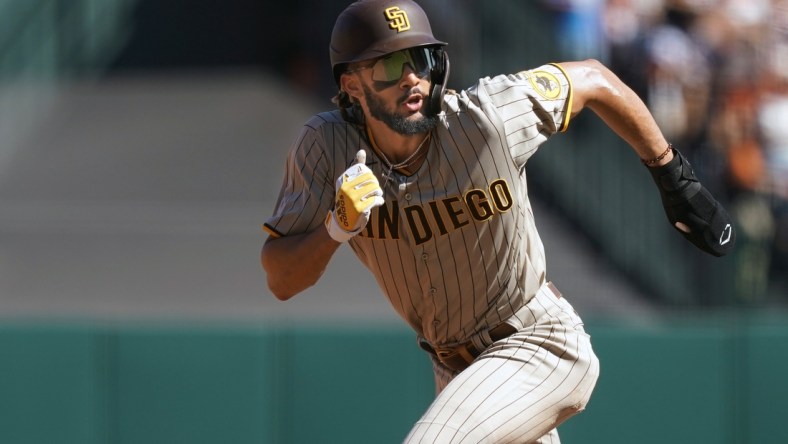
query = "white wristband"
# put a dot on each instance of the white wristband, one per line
(336, 232)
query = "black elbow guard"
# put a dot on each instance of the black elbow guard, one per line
(691, 209)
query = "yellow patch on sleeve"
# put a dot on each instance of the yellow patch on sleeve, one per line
(546, 84)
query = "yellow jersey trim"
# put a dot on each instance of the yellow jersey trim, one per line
(569, 96)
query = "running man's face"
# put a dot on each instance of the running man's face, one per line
(395, 90)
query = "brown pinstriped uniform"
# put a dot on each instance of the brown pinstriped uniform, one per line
(455, 247)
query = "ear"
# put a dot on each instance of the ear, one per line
(352, 86)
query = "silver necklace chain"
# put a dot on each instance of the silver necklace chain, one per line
(406, 162)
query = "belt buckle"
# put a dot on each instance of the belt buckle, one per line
(443, 352)
(446, 353)
(456, 358)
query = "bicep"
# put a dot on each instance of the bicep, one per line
(590, 80)
(596, 87)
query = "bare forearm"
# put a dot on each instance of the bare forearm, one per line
(597, 88)
(295, 263)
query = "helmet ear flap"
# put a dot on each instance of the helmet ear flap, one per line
(438, 77)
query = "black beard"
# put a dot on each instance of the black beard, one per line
(396, 122)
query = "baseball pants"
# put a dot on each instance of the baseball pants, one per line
(521, 387)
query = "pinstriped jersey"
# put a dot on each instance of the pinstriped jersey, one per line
(455, 247)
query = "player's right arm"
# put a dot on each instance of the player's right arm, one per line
(295, 263)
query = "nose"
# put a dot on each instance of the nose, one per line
(409, 77)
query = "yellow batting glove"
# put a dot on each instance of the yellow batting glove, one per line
(358, 191)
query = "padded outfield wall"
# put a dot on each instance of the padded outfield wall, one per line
(692, 381)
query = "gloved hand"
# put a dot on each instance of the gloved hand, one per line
(691, 209)
(357, 192)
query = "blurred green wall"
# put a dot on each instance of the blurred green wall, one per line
(691, 381)
(56, 39)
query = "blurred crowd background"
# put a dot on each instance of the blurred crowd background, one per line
(715, 75)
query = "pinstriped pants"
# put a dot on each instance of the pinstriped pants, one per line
(519, 389)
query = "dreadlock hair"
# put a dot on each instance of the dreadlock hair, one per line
(348, 107)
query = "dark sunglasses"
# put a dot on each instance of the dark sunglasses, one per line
(388, 69)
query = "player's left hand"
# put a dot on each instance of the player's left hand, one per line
(357, 192)
(691, 209)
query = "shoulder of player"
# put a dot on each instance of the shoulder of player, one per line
(328, 126)
(325, 119)
(328, 137)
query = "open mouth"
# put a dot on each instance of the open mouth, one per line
(413, 102)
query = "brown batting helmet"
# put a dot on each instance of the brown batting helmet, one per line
(373, 28)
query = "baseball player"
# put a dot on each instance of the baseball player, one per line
(428, 187)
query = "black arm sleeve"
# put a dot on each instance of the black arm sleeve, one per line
(689, 205)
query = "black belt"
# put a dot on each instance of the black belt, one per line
(459, 357)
